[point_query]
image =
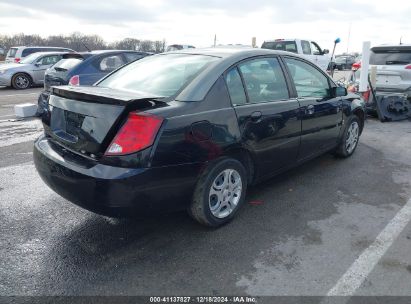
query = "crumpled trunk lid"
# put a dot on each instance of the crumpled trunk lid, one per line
(86, 119)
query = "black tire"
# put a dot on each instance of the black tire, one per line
(342, 150)
(21, 81)
(200, 208)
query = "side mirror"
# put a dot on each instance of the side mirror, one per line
(37, 64)
(325, 51)
(339, 91)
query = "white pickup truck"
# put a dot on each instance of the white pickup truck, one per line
(306, 48)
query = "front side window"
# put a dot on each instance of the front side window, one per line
(235, 87)
(264, 80)
(316, 49)
(159, 75)
(308, 81)
(306, 47)
(49, 60)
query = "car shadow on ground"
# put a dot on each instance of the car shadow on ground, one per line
(111, 251)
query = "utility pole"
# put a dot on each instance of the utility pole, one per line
(215, 39)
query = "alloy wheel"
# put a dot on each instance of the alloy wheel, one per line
(352, 137)
(225, 193)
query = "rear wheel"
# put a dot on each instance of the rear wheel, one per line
(21, 81)
(219, 193)
(350, 138)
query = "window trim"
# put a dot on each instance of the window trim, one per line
(282, 67)
(331, 82)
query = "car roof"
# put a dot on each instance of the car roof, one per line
(199, 87)
(393, 46)
(97, 52)
(39, 47)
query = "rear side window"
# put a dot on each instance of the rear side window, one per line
(109, 64)
(308, 81)
(235, 87)
(388, 56)
(306, 47)
(264, 80)
(29, 51)
(132, 56)
(289, 46)
(12, 52)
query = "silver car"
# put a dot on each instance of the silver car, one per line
(393, 64)
(30, 71)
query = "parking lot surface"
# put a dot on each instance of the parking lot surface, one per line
(332, 226)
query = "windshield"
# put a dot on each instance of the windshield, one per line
(31, 58)
(66, 64)
(342, 59)
(160, 75)
(390, 56)
(12, 52)
(289, 46)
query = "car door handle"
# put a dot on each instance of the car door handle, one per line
(309, 110)
(255, 116)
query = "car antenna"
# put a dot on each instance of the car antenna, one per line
(86, 46)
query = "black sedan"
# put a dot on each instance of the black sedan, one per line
(192, 130)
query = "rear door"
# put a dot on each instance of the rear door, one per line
(320, 112)
(267, 116)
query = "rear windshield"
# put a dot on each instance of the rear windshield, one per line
(160, 75)
(12, 52)
(390, 56)
(67, 64)
(289, 46)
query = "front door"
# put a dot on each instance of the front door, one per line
(41, 65)
(267, 116)
(320, 112)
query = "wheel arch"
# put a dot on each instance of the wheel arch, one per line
(244, 156)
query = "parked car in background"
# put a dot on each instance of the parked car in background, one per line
(29, 71)
(17, 53)
(308, 49)
(178, 47)
(192, 130)
(2, 54)
(344, 62)
(84, 69)
(393, 64)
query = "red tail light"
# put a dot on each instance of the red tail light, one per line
(136, 134)
(17, 60)
(408, 67)
(75, 80)
(356, 65)
(366, 95)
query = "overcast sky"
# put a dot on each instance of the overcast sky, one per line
(196, 21)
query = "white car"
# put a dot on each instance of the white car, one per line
(308, 49)
(17, 53)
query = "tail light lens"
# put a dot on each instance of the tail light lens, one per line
(356, 66)
(366, 95)
(136, 134)
(408, 67)
(17, 60)
(75, 80)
